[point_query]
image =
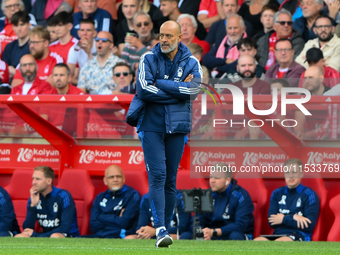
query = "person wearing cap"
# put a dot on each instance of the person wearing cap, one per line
(327, 41)
(285, 66)
(314, 57)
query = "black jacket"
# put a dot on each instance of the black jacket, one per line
(263, 46)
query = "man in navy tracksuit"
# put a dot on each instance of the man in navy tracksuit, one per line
(293, 209)
(165, 84)
(179, 221)
(8, 221)
(53, 208)
(232, 218)
(114, 212)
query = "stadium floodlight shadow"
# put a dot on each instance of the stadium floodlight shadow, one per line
(197, 201)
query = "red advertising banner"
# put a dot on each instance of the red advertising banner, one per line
(98, 158)
(28, 155)
(246, 161)
(239, 158)
(86, 157)
(250, 162)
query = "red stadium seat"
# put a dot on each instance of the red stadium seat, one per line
(19, 190)
(184, 181)
(334, 233)
(78, 183)
(319, 187)
(138, 180)
(259, 196)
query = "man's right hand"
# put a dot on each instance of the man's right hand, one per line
(85, 45)
(34, 197)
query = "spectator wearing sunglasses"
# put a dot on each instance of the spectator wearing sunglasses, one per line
(89, 9)
(122, 76)
(95, 76)
(135, 47)
(282, 29)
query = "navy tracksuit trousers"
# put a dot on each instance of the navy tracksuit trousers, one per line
(162, 155)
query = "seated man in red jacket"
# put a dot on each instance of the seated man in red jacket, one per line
(31, 85)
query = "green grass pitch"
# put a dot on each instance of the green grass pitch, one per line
(82, 246)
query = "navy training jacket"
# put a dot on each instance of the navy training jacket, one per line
(233, 211)
(8, 220)
(107, 219)
(160, 84)
(55, 213)
(300, 200)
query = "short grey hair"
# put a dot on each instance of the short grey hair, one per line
(282, 11)
(238, 16)
(140, 13)
(185, 15)
(21, 5)
(320, 2)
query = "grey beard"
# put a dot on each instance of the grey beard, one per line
(171, 48)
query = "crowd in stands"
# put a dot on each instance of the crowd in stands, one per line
(121, 212)
(92, 37)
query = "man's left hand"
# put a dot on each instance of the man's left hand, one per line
(189, 78)
(302, 222)
(121, 212)
(207, 233)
